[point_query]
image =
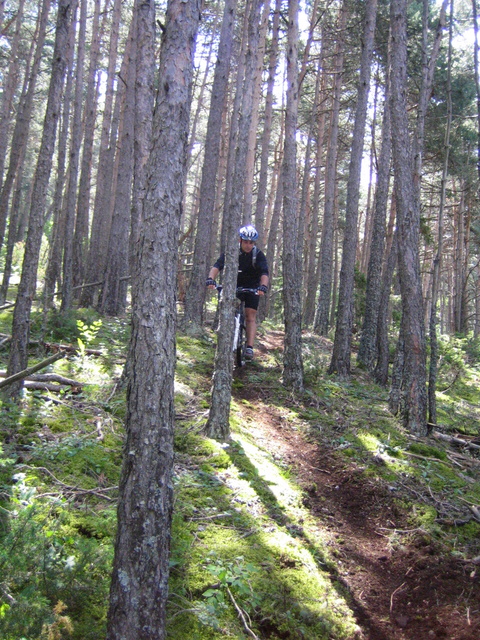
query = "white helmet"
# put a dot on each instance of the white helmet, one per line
(248, 233)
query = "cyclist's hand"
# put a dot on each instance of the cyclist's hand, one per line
(210, 283)
(262, 290)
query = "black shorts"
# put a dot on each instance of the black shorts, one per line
(251, 300)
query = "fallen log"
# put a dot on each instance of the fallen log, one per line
(21, 375)
(458, 441)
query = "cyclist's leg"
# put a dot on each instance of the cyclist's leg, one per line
(251, 325)
(251, 306)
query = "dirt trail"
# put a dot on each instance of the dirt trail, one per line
(406, 591)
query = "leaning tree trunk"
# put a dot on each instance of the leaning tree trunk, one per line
(9, 88)
(26, 290)
(414, 396)
(24, 116)
(139, 588)
(340, 362)
(218, 420)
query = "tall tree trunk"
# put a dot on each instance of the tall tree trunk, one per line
(218, 419)
(437, 263)
(340, 362)
(414, 401)
(292, 276)
(195, 296)
(322, 314)
(139, 587)
(26, 290)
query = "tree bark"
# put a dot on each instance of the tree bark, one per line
(139, 585)
(414, 397)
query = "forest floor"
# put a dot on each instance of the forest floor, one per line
(415, 590)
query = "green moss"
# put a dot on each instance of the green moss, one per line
(427, 451)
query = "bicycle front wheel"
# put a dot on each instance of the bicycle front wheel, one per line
(240, 347)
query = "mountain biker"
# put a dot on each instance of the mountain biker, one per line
(252, 274)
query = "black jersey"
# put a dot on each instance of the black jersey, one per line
(249, 270)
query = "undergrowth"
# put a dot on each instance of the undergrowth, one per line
(247, 555)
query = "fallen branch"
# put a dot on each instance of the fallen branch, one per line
(241, 615)
(21, 375)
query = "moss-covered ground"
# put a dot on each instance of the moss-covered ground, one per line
(248, 557)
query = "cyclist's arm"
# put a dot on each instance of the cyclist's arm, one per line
(263, 283)
(213, 273)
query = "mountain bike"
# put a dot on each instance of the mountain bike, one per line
(240, 331)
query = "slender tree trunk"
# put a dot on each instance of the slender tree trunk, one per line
(195, 296)
(340, 362)
(139, 586)
(21, 317)
(74, 158)
(292, 276)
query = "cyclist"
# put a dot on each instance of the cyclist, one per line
(252, 274)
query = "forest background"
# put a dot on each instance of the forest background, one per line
(347, 132)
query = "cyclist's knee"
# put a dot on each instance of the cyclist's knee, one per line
(250, 314)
